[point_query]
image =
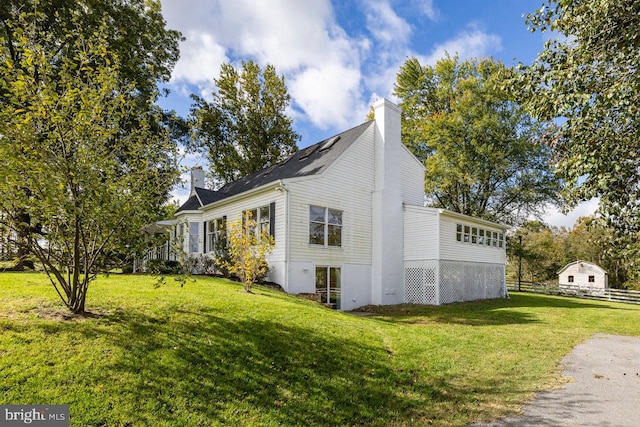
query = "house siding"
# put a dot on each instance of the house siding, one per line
(412, 179)
(346, 186)
(451, 249)
(421, 233)
(581, 272)
(233, 210)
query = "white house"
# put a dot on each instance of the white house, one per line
(349, 222)
(584, 275)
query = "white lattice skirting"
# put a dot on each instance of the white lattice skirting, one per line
(441, 282)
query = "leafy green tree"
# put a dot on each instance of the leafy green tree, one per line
(137, 39)
(480, 149)
(588, 78)
(146, 50)
(593, 241)
(542, 251)
(545, 250)
(85, 164)
(245, 128)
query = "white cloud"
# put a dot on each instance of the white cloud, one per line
(427, 8)
(330, 74)
(180, 193)
(285, 33)
(330, 95)
(385, 25)
(200, 59)
(471, 43)
(320, 61)
(554, 217)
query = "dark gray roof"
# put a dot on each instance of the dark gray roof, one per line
(192, 204)
(310, 161)
(206, 196)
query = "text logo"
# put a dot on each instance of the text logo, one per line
(34, 415)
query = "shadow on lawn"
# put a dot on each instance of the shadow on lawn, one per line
(251, 371)
(195, 367)
(479, 313)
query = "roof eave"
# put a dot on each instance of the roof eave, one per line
(275, 184)
(472, 218)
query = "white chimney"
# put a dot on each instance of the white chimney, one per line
(387, 211)
(197, 179)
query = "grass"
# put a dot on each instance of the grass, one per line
(211, 354)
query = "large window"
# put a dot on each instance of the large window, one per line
(194, 228)
(479, 236)
(216, 233)
(264, 216)
(328, 285)
(325, 226)
(263, 219)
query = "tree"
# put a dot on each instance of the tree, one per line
(245, 128)
(479, 147)
(87, 161)
(541, 250)
(545, 250)
(248, 249)
(137, 38)
(137, 35)
(588, 79)
(593, 241)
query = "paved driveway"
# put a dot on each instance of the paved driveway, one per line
(605, 393)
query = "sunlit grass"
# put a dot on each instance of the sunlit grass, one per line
(210, 353)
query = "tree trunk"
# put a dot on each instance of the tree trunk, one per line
(77, 300)
(23, 239)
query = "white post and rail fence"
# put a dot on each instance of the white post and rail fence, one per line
(608, 294)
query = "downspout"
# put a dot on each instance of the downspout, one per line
(438, 255)
(287, 232)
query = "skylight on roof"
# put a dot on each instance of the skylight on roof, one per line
(307, 152)
(330, 143)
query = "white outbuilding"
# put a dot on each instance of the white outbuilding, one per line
(584, 275)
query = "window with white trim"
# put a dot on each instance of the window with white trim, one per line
(194, 228)
(263, 219)
(325, 226)
(263, 216)
(216, 232)
(479, 236)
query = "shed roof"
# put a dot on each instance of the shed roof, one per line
(312, 160)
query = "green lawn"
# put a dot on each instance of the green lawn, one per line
(210, 354)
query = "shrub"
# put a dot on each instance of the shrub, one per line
(162, 266)
(248, 250)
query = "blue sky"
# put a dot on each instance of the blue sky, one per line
(339, 56)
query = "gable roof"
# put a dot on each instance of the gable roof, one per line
(202, 197)
(310, 161)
